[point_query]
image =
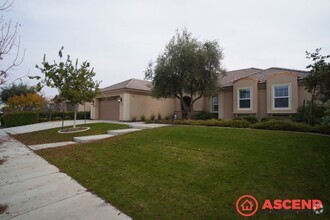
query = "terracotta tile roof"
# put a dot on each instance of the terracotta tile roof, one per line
(234, 75)
(258, 74)
(137, 84)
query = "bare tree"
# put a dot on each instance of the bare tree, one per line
(9, 43)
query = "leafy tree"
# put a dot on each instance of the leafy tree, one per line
(75, 83)
(28, 102)
(16, 90)
(318, 79)
(188, 69)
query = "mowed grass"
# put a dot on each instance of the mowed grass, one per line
(52, 135)
(199, 172)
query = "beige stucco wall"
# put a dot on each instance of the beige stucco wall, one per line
(147, 106)
(245, 83)
(221, 105)
(262, 100)
(227, 104)
(282, 78)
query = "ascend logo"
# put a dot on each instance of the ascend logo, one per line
(247, 206)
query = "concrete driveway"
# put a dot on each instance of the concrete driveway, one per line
(34, 189)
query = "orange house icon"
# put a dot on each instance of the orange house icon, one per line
(247, 205)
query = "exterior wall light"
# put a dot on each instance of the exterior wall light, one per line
(120, 100)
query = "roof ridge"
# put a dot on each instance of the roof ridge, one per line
(274, 67)
(130, 81)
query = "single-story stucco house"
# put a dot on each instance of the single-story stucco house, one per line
(252, 91)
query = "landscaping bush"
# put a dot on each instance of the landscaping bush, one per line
(250, 118)
(303, 113)
(290, 126)
(143, 118)
(210, 122)
(268, 118)
(204, 115)
(20, 118)
(1, 120)
(159, 117)
(46, 116)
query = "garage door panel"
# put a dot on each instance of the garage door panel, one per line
(109, 110)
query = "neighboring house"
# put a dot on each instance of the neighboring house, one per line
(252, 91)
(63, 106)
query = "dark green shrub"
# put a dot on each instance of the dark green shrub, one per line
(20, 118)
(234, 123)
(159, 117)
(143, 118)
(67, 115)
(1, 120)
(303, 113)
(152, 117)
(203, 115)
(133, 119)
(250, 118)
(267, 118)
(283, 125)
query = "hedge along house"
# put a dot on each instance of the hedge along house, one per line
(252, 91)
(131, 99)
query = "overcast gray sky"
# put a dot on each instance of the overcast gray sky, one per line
(119, 38)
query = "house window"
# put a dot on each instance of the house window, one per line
(215, 104)
(281, 96)
(244, 98)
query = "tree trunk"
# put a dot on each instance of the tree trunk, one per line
(75, 116)
(185, 109)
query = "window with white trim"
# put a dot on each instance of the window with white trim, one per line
(281, 96)
(215, 104)
(244, 98)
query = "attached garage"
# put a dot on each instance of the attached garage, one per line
(130, 100)
(109, 109)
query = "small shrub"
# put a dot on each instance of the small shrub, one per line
(303, 113)
(143, 117)
(159, 117)
(1, 120)
(268, 118)
(250, 118)
(20, 118)
(204, 115)
(167, 118)
(234, 123)
(133, 119)
(152, 117)
(283, 125)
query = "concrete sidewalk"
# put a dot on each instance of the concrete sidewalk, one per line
(34, 189)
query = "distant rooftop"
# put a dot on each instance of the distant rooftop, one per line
(136, 84)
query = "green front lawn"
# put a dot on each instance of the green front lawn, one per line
(199, 172)
(52, 135)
